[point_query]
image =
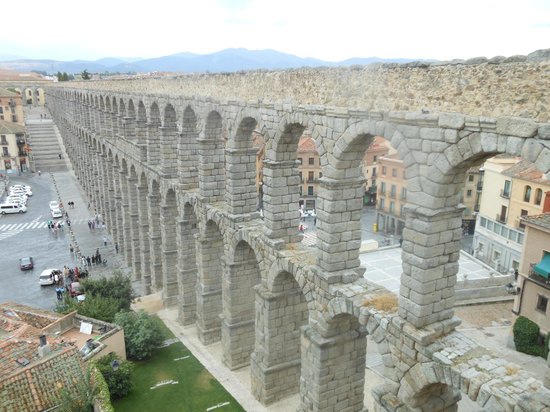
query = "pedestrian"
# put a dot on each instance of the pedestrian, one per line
(116, 247)
(60, 155)
(93, 259)
(90, 224)
(89, 261)
(39, 173)
(104, 240)
(58, 292)
(71, 248)
(68, 223)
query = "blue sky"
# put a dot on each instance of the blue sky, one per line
(326, 29)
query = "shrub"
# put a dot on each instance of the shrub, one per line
(95, 307)
(526, 334)
(141, 333)
(119, 380)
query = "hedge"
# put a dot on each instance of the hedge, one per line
(526, 335)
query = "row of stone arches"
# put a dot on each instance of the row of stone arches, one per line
(333, 323)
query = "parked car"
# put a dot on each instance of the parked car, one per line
(26, 263)
(19, 193)
(47, 276)
(22, 188)
(16, 199)
(54, 205)
(75, 289)
(12, 208)
(56, 213)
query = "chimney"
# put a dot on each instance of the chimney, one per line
(546, 204)
(44, 348)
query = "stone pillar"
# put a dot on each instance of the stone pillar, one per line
(276, 361)
(211, 169)
(240, 169)
(187, 268)
(129, 128)
(155, 241)
(430, 253)
(125, 240)
(133, 213)
(280, 200)
(238, 312)
(144, 245)
(169, 252)
(118, 213)
(339, 206)
(168, 151)
(102, 123)
(209, 292)
(153, 144)
(188, 161)
(333, 371)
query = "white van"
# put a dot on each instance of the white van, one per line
(12, 208)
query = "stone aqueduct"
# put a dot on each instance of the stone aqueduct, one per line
(171, 166)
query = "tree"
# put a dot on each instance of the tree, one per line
(117, 373)
(118, 287)
(85, 75)
(141, 333)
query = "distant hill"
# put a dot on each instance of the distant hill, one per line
(228, 60)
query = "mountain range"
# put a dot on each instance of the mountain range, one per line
(228, 60)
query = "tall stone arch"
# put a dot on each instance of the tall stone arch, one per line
(187, 150)
(211, 266)
(188, 232)
(153, 140)
(169, 225)
(169, 143)
(212, 159)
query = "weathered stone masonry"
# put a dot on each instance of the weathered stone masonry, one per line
(170, 165)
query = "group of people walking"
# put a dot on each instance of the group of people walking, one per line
(93, 260)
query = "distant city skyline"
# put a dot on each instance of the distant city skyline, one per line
(326, 30)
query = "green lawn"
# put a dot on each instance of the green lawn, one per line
(196, 389)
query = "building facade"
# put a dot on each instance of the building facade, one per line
(392, 195)
(13, 144)
(533, 299)
(512, 188)
(310, 171)
(11, 107)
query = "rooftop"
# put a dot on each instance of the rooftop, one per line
(526, 170)
(11, 128)
(541, 221)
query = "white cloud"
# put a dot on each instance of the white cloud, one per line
(331, 30)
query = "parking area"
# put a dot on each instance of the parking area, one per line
(27, 234)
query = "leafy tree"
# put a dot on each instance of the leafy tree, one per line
(85, 75)
(118, 378)
(141, 333)
(96, 307)
(118, 287)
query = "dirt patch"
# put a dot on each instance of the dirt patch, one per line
(490, 314)
(385, 303)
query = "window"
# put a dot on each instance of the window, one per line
(538, 196)
(374, 158)
(542, 303)
(527, 194)
(301, 177)
(392, 207)
(470, 177)
(522, 213)
(496, 256)
(483, 222)
(394, 172)
(311, 161)
(382, 203)
(5, 151)
(469, 193)
(383, 187)
(310, 190)
(506, 190)
(310, 176)
(393, 191)
(403, 193)
(300, 160)
(402, 211)
(384, 170)
(374, 172)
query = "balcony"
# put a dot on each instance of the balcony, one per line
(501, 218)
(505, 194)
(6, 154)
(392, 195)
(382, 193)
(479, 186)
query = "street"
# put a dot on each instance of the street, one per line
(26, 234)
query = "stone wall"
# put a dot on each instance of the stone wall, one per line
(515, 86)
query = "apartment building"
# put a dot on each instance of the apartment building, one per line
(14, 148)
(11, 107)
(310, 171)
(512, 189)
